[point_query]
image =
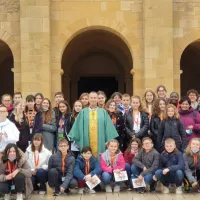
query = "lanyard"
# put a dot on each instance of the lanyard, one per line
(30, 117)
(11, 168)
(63, 164)
(195, 162)
(61, 123)
(36, 161)
(87, 167)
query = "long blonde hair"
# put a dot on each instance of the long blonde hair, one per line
(144, 101)
(188, 148)
(18, 117)
(137, 97)
(176, 115)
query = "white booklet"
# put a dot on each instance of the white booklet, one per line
(135, 185)
(122, 176)
(92, 185)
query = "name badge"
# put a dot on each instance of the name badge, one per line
(63, 178)
(12, 187)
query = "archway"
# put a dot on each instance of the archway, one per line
(190, 65)
(96, 60)
(6, 64)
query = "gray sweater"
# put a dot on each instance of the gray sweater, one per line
(190, 168)
(150, 160)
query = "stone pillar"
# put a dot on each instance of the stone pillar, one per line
(35, 47)
(158, 44)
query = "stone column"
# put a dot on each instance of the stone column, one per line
(158, 44)
(35, 47)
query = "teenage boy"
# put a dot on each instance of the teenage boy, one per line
(171, 167)
(58, 97)
(86, 167)
(125, 106)
(145, 164)
(17, 97)
(60, 169)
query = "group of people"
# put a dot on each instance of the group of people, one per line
(153, 138)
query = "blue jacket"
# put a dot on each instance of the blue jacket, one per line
(79, 171)
(172, 161)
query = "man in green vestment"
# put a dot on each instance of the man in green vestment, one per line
(82, 131)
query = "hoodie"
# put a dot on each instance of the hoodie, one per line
(12, 134)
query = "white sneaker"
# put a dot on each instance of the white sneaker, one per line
(7, 197)
(19, 196)
(165, 190)
(42, 192)
(91, 191)
(179, 190)
(116, 188)
(80, 190)
(108, 188)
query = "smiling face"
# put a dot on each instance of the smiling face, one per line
(113, 147)
(170, 146)
(195, 144)
(112, 107)
(38, 100)
(12, 153)
(7, 101)
(135, 103)
(170, 112)
(45, 105)
(78, 107)
(62, 108)
(17, 98)
(21, 107)
(126, 101)
(149, 97)
(185, 105)
(193, 97)
(161, 92)
(117, 99)
(101, 99)
(87, 155)
(162, 105)
(93, 99)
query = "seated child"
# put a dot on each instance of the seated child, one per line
(171, 167)
(132, 150)
(111, 161)
(85, 168)
(145, 164)
(192, 164)
(60, 169)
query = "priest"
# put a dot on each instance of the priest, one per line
(93, 127)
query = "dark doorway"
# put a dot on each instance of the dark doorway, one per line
(190, 64)
(107, 84)
(6, 64)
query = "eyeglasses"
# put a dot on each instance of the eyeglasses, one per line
(63, 146)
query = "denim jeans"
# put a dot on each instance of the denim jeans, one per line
(41, 177)
(136, 171)
(171, 177)
(107, 178)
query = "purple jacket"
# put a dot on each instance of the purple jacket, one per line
(191, 117)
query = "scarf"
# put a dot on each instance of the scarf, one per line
(107, 158)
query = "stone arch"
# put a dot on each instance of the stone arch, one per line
(180, 45)
(14, 46)
(72, 30)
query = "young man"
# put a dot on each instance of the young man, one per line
(193, 94)
(17, 97)
(58, 97)
(93, 127)
(171, 167)
(60, 169)
(8, 131)
(125, 106)
(145, 164)
(6, 100)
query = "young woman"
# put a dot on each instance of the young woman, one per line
(111, 161)
(63, 124)
(15, 173)
(149, 99)
(162, 92)
(49, 124)
(132, 150)
(118, 121)
(101, 99)
(136, 121)
(192, 164)
(158, 114)
(172, 127)
(20, 120)
(38, 100)
(190, 118)
(78, 106)
(174, 98)
(85, 168)
(84, 98)
(38, 157)
(34, 116)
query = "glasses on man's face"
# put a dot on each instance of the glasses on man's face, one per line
(63, 146)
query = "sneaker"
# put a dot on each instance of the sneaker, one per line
(19, 196)
(165, 190)
(80, 190)
(116, 188)
(91, 191)
(141, 190)
(179, 190)
(56, 194)
(42, 192)
(108, 188)
(7, 197)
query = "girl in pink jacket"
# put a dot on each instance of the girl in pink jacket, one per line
(111, 161)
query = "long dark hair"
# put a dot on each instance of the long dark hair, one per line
(68, 109)
(7, 150)
(47, 116)
(37, 136)
(156, 109)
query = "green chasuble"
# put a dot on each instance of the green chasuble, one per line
(80, 129)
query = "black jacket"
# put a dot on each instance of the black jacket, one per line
(144, 125)
(172, 128)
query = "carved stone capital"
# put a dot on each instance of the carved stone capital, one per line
(10, 5)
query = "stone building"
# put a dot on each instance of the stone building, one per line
(81, 45)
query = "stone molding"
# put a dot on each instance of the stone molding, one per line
(10, 5)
